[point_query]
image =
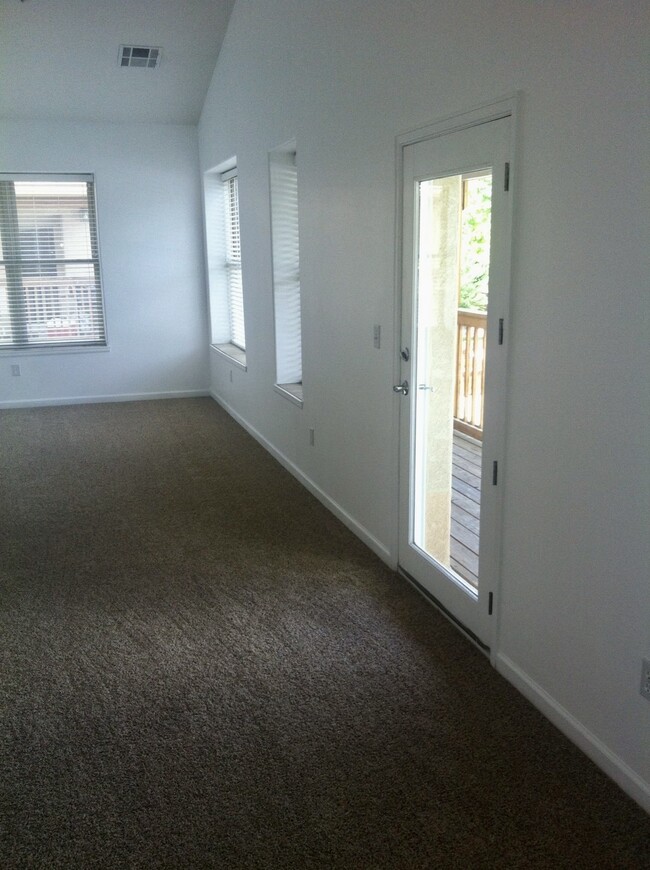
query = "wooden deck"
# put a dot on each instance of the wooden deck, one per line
(465, 508)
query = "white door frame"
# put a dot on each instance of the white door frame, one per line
(506, 107)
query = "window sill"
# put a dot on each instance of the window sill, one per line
(292, 392)
(232, 353)
(52, 351)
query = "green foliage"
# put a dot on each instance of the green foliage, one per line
(475, 244)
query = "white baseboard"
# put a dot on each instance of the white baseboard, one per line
(355, 527)
(600, 754)
(90, 400)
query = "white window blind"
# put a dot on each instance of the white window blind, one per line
(233, 263)
(50, 289)
(286, 264)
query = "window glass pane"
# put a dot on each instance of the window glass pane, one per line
(237, 334)
(233, 265)
(283, 176)
(223, 249)
(5, 322)
(64, 307)
(50, 291)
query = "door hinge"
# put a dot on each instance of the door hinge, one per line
(490, 603)
(495, 472)
(506, 177)
(501, 330)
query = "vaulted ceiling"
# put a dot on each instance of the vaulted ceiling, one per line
(59, 58)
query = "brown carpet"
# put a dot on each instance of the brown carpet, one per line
(201, 667)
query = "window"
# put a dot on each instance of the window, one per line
(228, 334)
(283, 179)
(233, 264)
(50, 289)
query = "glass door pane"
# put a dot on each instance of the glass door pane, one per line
(451, 293)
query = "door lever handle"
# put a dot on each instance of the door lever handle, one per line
(402, 388)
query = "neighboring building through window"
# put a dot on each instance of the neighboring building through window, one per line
(283, 178)
(228, 333)
(50, 288)
(42, 239)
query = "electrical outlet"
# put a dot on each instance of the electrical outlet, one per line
(231, 376)
(311, 438)
(645, 679)
(376, 336)
(15, 371)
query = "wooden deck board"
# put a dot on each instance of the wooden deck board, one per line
(467, 465)
(469, 505)
(469, 521)
(465, 508)
(467, 456)
(469, 477)
(471, 492)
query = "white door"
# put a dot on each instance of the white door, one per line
(455, 288)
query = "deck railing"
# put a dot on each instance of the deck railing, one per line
(60, 310)
(53, 311)
(470, 372)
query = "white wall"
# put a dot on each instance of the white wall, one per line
(343, 78)
(149, 217)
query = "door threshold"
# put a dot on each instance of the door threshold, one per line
(482, 647)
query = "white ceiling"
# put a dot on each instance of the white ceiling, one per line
(58, 58)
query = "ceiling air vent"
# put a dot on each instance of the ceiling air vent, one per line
(139, 55)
